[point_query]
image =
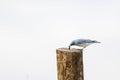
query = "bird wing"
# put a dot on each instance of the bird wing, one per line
(79, 41)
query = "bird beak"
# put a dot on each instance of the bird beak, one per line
(69, 47)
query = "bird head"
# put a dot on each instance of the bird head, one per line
(72, 43)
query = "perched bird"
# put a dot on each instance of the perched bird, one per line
(82, 43)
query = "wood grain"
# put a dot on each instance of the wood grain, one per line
(69, 64)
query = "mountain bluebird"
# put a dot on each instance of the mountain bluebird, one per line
(82, 43)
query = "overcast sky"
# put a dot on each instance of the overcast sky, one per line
(32, 30)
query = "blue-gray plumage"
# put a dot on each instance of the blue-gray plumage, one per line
(82, 42)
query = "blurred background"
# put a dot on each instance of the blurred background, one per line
(32, 30)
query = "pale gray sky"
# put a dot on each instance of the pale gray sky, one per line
(32, 30)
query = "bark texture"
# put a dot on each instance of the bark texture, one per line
(69, 64)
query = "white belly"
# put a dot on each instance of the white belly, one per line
(84, 44)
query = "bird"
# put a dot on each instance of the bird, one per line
(82, 43)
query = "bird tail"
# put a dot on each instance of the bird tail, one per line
(98, 42)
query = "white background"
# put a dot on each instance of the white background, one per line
(32, 30)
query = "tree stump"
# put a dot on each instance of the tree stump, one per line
(69, 64)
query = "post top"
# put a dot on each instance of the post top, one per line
(71, 50)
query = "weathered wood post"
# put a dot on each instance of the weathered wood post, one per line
(69, 64)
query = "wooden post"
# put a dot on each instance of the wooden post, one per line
(69, 64)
